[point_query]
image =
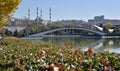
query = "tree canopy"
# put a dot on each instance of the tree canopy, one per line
(108, 25)
(7, 7)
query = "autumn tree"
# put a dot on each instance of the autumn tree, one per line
(108, 25)
(7, 7)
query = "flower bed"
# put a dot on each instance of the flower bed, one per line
(17, 54)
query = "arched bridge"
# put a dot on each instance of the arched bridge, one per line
(80, 30)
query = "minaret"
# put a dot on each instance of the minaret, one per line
(28, 16)
(50, 14)
(37, 12)
(41, 13)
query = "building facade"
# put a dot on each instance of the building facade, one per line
(101, 20)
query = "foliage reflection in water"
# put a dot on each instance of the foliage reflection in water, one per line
(99, 45)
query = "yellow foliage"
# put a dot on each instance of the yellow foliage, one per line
(6, 8)
(2, 20)
(108, 24)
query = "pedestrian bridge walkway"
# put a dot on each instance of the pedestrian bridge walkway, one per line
(45, 33)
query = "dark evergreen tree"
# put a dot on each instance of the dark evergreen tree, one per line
(7, 32)
(105, 30)
(16, 33)
(101, 25)
(116, 31)
(24, 33)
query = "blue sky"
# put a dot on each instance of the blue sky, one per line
(70, 9)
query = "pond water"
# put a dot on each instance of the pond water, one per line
(98, 45)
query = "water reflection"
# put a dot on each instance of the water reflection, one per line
(112, 45)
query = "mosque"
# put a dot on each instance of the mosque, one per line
(28, 20)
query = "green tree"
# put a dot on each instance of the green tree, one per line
(116, 31)
(7, 32)
(24, 33)
(105, 30)
(50, 26)
(16, 33)
(101, 25)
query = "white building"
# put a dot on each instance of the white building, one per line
(97, 20)
(100, 20)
